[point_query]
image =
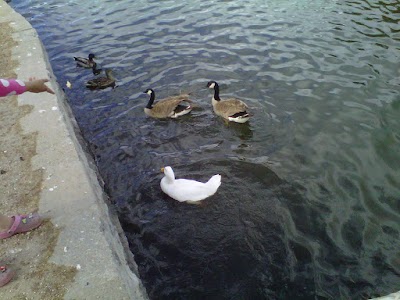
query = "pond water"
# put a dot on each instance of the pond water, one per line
(309, 203)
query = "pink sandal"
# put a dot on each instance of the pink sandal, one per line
(6, 275)
(22, 223)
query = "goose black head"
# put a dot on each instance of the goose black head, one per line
(91, 56)
(212, 84)
(149, 92)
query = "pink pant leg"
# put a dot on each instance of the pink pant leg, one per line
(10, 87)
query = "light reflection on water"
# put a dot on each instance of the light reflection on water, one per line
(309, 205)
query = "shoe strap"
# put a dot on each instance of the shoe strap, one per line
(14, 226)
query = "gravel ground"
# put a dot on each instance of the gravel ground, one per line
(20, 186)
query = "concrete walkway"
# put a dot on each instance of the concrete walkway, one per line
(90, 238)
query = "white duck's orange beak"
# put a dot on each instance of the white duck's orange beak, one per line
(162, 170)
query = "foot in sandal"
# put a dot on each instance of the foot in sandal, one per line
(6, 274)
(20, 224)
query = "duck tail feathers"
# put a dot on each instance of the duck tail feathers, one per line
(214, 182)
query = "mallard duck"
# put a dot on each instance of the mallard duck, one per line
(171, 107)
(102, 82)
(83, 62)
(95, 70)
(187, 190)
(231, 109)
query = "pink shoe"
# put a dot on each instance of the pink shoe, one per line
(6, 275)
(22, 223)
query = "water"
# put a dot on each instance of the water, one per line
(309, 205)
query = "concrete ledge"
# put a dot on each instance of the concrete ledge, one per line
(90, 238)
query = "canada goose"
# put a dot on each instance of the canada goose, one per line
(231, 109)
(187, 190)
(102, 82)
(88, 63)
(171, 107)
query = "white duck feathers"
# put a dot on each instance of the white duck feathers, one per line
(187, 190)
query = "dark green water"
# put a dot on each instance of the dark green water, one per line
(309, 203)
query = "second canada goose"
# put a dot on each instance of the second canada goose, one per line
(233, 110)
(171, 107)
(102, 82)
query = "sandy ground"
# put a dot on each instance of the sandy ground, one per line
(20, 186)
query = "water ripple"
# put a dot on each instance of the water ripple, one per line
(309, 202)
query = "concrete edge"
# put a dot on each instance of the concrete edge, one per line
(110, 224)
(76, 202)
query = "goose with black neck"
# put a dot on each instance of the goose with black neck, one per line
(233, 110)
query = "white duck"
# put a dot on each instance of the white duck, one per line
(186, 190)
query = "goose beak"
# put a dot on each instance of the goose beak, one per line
(162, 170)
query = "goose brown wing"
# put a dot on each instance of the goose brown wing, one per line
(181, 97)
(166, 107)
(230, 107)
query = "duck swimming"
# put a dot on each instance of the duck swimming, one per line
(102, 82)
(187, 190)
(87, 63)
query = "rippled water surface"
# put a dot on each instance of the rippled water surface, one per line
(309, 205)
